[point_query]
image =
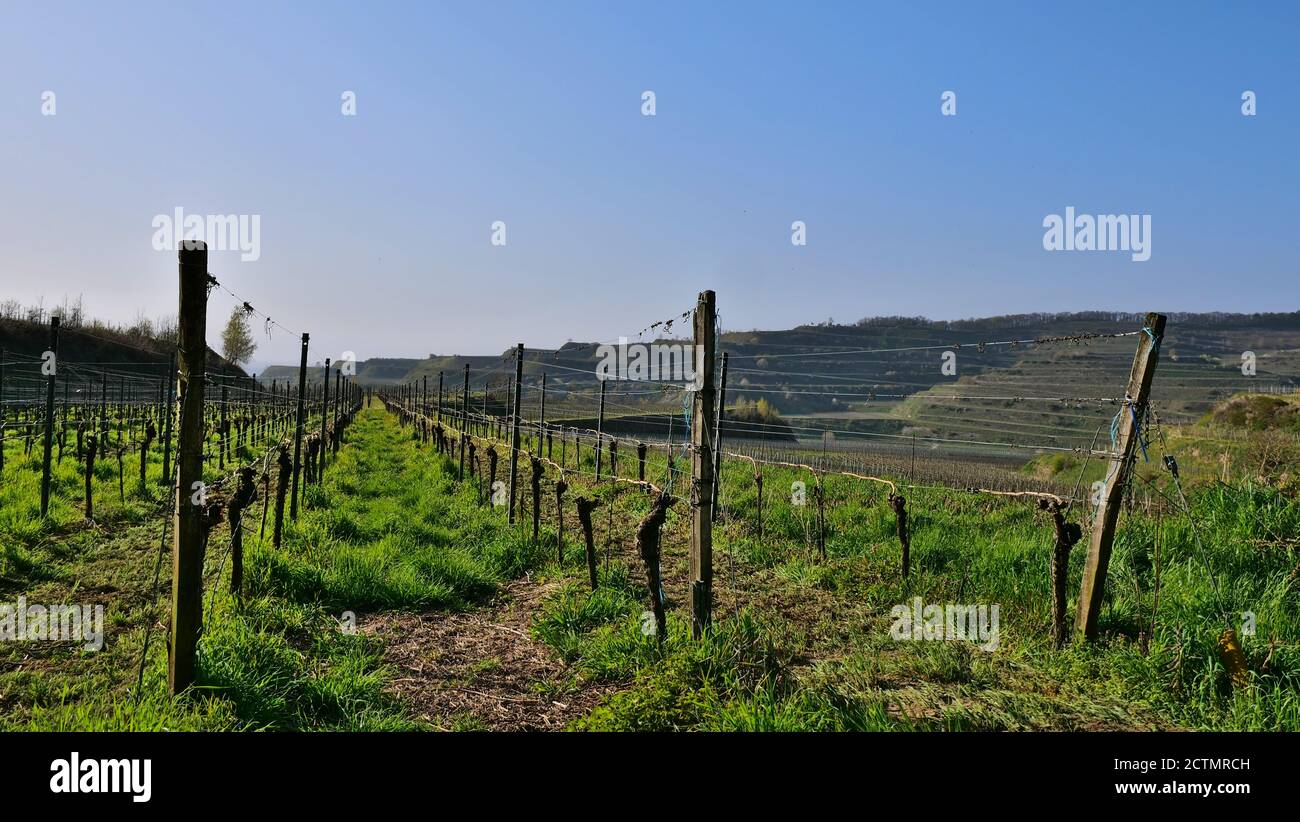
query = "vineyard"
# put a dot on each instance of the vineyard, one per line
(523, 543)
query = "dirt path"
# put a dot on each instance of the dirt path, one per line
(483, 669)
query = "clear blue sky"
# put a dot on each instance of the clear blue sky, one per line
(375, 228)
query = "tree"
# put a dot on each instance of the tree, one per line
(237, 341)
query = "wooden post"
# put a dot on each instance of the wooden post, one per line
(717, 435)
(301, 423)
(439, 396)
(49, 417)
(514, 430)
(702, 466)
(187, 546)
(1131, 413)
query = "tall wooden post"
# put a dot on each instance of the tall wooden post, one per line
(717, 435)
(1133, 411)
(187, 530)
(514, 431)
(702, 467)
(301, 423)
(439, 396)
(49, 417)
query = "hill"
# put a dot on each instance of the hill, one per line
(96, 343)
(884, 375)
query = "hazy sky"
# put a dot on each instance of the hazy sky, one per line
(376, 228)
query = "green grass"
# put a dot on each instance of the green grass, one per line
(388, 530)
(798, 643)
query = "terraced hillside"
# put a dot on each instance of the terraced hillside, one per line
(883, 378)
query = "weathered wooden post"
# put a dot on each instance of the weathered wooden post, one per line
(1127, 435)
(298, 427)
(514, 430)
(188, 530)
(640, 461)
(702, 466)
(52, 365)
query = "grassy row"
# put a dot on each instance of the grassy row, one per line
(387, 530)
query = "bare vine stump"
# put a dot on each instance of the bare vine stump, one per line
(1067, 534)
(92, 443)
(899, 504)
(245, 494)
(820, 496)
(585, 507)
(647, 539)
(560, 487)
(282, 489)
(266, 500)
(149, 433)
(535, 482)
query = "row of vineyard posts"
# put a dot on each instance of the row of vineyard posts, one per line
(453, 432)
(206, 418)
(179, 409)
